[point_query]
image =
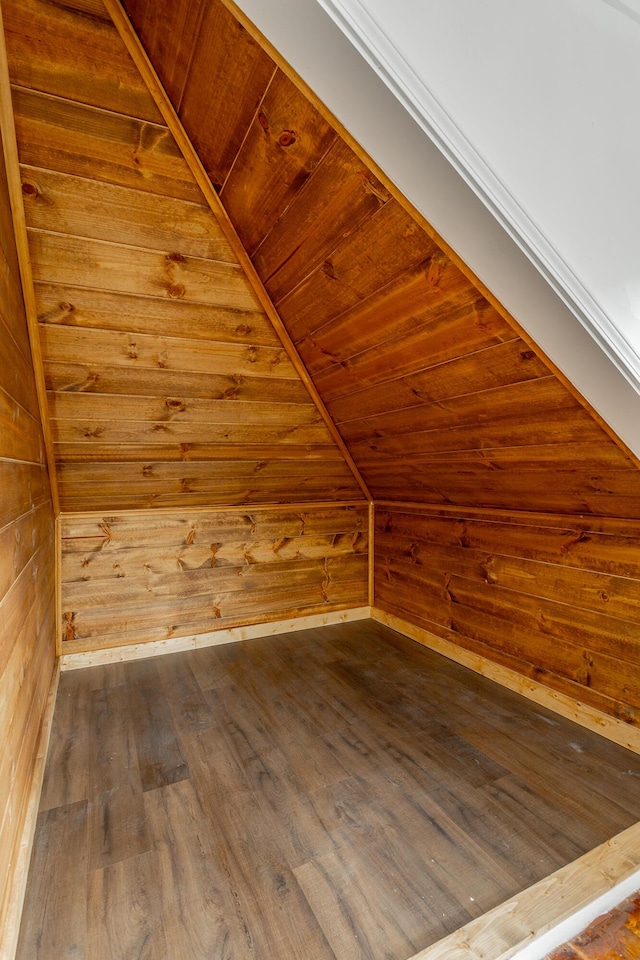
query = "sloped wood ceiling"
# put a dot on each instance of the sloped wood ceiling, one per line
(168, 385)
(436, 394)
(167, 382)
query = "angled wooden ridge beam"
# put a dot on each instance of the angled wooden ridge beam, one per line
(397, 194)
(14, 180)
(134, 46)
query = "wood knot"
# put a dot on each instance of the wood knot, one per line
(243, 329)
(66, 307)
(176, 258)
(176, 291)
(527, 354)
(329, 270)
(263, 121)
(69, 629)
(29, 189)
(174, 404)
(287, 138)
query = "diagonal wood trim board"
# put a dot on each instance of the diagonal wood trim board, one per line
(20, 868)
(503, 933)
(162, 101)
(609, 727)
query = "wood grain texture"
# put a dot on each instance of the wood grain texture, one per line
(90, 66)
(27, 617)
(284, 143)
(334, 793)
(144, 308)
(388, 322)
(554, 600)
(618, 932)
(520, 922)
(174, 123)
(126, 579)
(228, 75)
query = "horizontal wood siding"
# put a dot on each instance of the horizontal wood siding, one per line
(151, 576)
(27, 625)
(556, 599)
(156, 349)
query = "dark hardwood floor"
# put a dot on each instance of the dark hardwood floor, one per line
(331, 794)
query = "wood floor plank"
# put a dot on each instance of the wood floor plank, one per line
(67, 771)
(329, 794)
(277, 917)
(187, 703)
(54, 915)
(199, 915)
(117, 824)
(124, 911)
(159, 755)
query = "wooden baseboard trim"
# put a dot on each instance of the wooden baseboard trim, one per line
(18, 879)
(610, 727)
(528, 926)
(139, 651)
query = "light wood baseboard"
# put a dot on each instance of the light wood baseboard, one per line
(607, 726)
(18, 878)
(529, 925)
(138, 651)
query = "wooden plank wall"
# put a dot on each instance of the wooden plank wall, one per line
(27, 648)
(167, 382)
(436, 392)
(133, 578)
(439, 396)
(555, 598)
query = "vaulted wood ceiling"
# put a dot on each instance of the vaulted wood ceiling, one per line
(169, 384)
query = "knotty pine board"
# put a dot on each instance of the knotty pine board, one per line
(92, 65)
(555, 599)
(390, 325)
(139, 577)
(27, 618)
(154, 342)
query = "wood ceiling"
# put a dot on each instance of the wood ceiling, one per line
(169, 385)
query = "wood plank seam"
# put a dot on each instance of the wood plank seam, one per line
(9, 935)
(58, 584)
(137, 651)
(522, 516)
(222, 508)
(10, 150)
(419, 218)
(372, 553)
(587, 716)
(128, 35)
(504, 932)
